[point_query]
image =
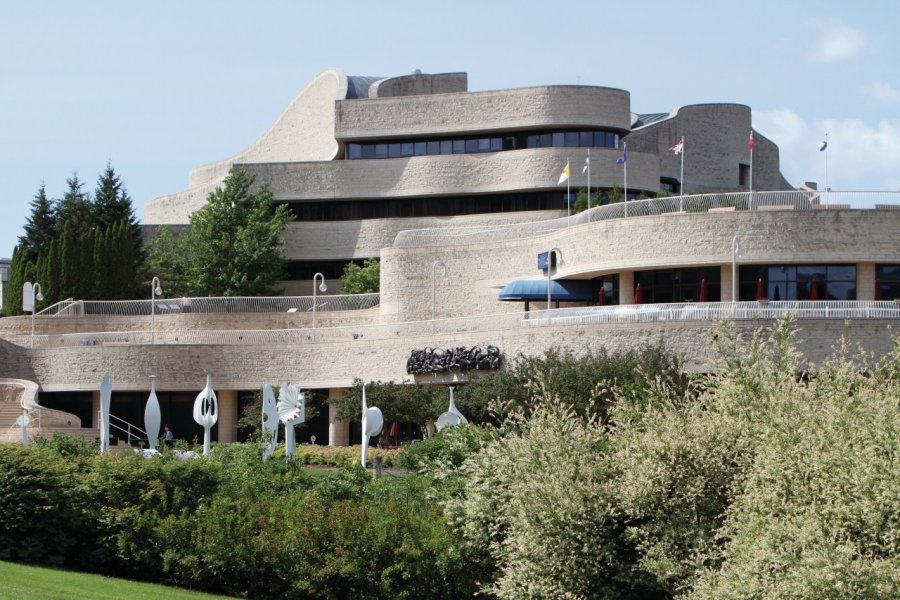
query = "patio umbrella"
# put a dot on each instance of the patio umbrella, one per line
(813, 289)
(395, 430)
(760, 293)
(878, 294)
(638, 294)
(703, 292)
(601, 297)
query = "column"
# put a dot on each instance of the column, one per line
(227, 415)
(725, 277)
(865, 281)
(338, 431)
(95, 410)
(626, 287)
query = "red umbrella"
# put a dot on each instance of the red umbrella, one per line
(703, 292)
(760, 293)
(638, 294)
(813, 289)
(395, 430)
(878, 294)
(601, 297)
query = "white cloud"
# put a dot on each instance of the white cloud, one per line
(882, 92)
(837, 42)
(861, 156)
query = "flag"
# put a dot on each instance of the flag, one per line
(677, 148)
(587, 164)
(823, 146)
(622, 159)
(564, 176)
(751, 142)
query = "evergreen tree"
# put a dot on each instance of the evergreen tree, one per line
(41, 226)
(16, 279)
(68, 264)
(52, 275)
(112, 205)
(75, 209)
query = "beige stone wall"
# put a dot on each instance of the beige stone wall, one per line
(418, 84)
(493, 111)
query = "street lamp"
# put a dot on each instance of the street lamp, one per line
(734, 254)
(37, 296)
(322, 288)
(155, 290)
(433, 277)
(550, 270)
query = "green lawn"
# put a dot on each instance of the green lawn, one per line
(20, 581)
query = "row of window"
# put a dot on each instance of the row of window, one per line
(476, 144)
(797, 282)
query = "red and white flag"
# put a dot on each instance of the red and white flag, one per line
(750, 143)
(677, 148)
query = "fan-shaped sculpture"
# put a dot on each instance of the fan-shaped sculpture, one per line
(372, 423)
(451, 418)
(206, 412)
(269, 421)
(292, 412)
(152, 416)
(105, 401)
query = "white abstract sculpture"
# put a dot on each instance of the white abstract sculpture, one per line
(372, 423)
(105, 400)
(451, 418)
(269, 420)
(292, 412)
(152, 416)
(23, 421)
(206, 412)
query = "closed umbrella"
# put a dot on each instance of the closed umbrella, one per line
(813, 289)
(638, 294)
(760, 293)
(703, 291)
(395, 430)
(601, 297)
(878, 294)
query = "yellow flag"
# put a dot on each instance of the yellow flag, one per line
(564, 175)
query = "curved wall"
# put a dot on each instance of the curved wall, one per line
(501, 110)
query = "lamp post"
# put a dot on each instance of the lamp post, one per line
(37, 297)
(734, 253)
(322, 288)
(433, 277)
(155, 290)
(550, 271)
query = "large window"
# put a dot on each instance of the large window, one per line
(887, 282)
(473, 145)
(679, 285)
(798, 282)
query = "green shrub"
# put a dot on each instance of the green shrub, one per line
(446, 449)
(68, 446)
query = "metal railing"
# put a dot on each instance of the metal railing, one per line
(798, 200)
(629, 313)
(122, 426)
(273, 304)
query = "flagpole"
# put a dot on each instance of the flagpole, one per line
(681, 202)
(589, 183)
(568, 194)
(826, 168)
(752, 143)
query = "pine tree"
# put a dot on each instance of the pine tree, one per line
(16, 279)
(41, 226)
(75, 209)
(84, 280)
(52, 275)
(68, 264)
(113, 205)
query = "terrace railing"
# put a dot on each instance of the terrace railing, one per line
(162, 306)
(740, 201)
(631, 313)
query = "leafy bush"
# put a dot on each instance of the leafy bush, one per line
(446, 449)
(68, 446)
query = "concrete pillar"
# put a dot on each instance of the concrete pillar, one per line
(725, 275)
(95, 409)
(865, 281)
(227, 415)
(626, 287)
(338, 431)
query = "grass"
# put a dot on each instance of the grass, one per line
(21, 581)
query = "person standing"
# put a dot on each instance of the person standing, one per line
(170, 437)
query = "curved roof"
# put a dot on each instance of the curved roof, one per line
(358, 86)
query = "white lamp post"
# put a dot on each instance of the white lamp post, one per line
(734, 254)
(37, 296)
(433, 277)
(155, 290)
(322, 288)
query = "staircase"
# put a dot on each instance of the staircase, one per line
(18, 397)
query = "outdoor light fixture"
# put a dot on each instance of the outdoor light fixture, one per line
(322, 288)
(155, 290)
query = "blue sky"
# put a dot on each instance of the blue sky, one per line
(159, 87)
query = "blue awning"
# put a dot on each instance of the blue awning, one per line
(536, 289)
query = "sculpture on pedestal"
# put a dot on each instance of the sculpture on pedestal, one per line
(269, 421)
(372, 423)
(451, 418)
(105, 401)
(152, 416)
(292, 412)
(206, 412)
(23, 421)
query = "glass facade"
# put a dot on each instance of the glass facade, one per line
(478, 144)
(798, 282)
(679, 285)
(887, 280)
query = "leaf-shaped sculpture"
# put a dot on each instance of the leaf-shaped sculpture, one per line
(372, 423)
(269, 420)
(206, 412)
(105, 401)
(152, 416)
(451, 418)
(292, 412)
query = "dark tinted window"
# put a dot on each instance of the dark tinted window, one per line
(434, 147)
(354, 151)
(446, 147)
(459, 146)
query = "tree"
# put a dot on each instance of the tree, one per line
(41, 226)
(361, 280)
(112, 205)
(581, 200)
(234, 245)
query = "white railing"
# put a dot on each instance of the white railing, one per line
(274, 304)
(741, 201)
(630, 313)
(131, 432)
